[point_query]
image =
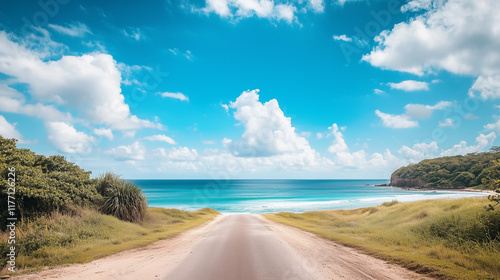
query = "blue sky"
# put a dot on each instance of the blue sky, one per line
(250, 88)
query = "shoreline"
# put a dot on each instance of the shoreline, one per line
(298, 207)
(471, 190)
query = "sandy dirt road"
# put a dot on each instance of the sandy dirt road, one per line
(235, 247)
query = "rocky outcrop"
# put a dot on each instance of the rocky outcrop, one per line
(399, 182)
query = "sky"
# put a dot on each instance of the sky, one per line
(227, 89)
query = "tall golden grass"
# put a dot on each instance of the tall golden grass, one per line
(446, 239)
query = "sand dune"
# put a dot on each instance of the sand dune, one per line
(235, 247)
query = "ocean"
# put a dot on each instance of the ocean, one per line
(265, 196)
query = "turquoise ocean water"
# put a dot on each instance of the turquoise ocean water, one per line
(261, 196)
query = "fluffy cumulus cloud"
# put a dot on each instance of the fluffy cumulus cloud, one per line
(67, 139)
(269, 9)
(359, 159)
(317, 5)
(459, 36)
(338, 145)
(396, 121)
(486, 87)
(413, 111)
(446, 123)
(8, 130)
(178, 154)
(482, 143)
(410, 85)
(267, 131)
(134, 151)
(104, 132)
(88, 84)
(418, 152)
(12, 101)
(494, 126)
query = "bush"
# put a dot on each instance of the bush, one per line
(122, 199)
(483, 227)
(42, 184)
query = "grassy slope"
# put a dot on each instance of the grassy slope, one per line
(62, 239)
(426, 236)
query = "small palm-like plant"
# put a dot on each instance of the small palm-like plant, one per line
(122, 199)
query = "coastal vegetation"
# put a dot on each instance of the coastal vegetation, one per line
(475, 170)
(65, 216)
(86, 234)
(445, 239)
(120, 198)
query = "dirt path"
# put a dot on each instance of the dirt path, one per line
(235, 247)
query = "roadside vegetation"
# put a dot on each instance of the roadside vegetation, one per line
(84, 235)
(65, 216)
(445, 239)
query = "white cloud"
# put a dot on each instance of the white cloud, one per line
(178, 154)
(446, 123)
(12, 101)
(89, 84)
(134, 33)
(459, 36)
(338, 144)
(378, 91)
(267, 131)
(319, 135)
(134, 151)
(488, 87)
(482, 143)
(106, 132)
(396, 121)
(67, 139)
(225, 106)
(359, 159)
(494, 126)
(248, 8)
(471, 116)
(8, 130)
(421, 111)
(410, 85)
(74, 30)
(317, 5)
(342, 2)
(129, 133)
(417, 5)
(342, 37)
(220, 7)
(163, 138)
(419, 151)
(306, 134)
(208, 142)
(175, 95)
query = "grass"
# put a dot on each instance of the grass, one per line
(445, 239)
(122, 199)
(86, 235)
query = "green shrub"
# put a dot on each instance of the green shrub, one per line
(42, 184)
(122, 199)
(483, 227)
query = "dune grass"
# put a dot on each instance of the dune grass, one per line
(86, 235)
(445, 239)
